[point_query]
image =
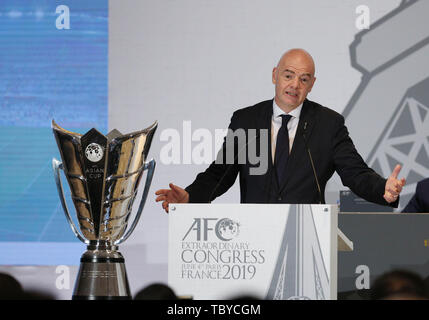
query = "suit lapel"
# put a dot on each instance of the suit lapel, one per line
(264, 122)
(305, 126)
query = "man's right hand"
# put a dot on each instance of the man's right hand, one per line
(173, 195)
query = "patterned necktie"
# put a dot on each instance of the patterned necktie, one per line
(282, 149)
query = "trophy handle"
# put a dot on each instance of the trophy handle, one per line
(150, 166)
(57, 165)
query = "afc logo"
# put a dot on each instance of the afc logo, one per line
(224, 229)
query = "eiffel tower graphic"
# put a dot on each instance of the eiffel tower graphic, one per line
(387, 115)
(406, 140)
(318, 283)
(300, 271)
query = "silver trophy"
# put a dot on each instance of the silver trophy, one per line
(103, 173)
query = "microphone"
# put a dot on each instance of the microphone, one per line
(312, 163)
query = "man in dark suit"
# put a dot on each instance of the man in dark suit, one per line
(304, 140)
(420, 200)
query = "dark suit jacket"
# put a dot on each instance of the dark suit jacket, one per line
(331, 150)
(420, 200)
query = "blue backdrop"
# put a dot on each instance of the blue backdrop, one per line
(46, 73)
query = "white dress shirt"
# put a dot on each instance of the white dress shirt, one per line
(276, 123)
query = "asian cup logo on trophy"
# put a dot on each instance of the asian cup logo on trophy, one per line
(103, 173)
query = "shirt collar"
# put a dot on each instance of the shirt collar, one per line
(277, 112)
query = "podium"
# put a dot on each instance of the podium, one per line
(269, 251)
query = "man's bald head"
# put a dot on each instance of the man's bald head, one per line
(298, 55)
(293, 78)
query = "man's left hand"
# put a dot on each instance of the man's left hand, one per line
(393, 185)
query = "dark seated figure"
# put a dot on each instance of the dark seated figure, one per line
(420, 201)
(156, 291)
(10, 288)
(399, 285)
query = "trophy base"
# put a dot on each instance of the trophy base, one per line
(102, 275)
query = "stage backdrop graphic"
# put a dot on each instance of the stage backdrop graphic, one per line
(393, 91)
(193, 63)
(190, 65)
(53, 62)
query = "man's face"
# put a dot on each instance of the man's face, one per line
(293, 79)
